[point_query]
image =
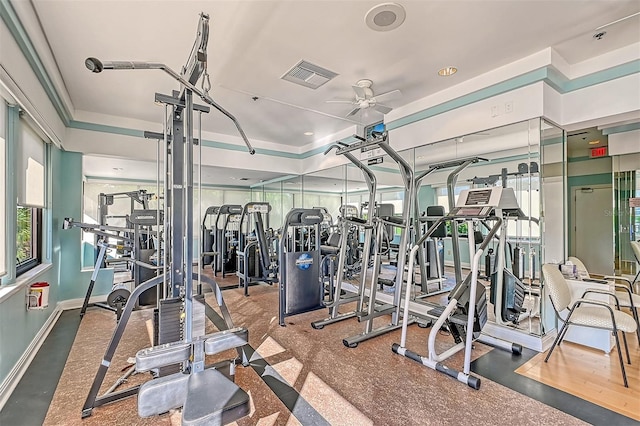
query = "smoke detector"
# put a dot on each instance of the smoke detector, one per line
(385, 17)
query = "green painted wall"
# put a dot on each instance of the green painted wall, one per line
(426, 197)
(18, 326)
(73, 281)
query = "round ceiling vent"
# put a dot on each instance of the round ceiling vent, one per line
(385, 17)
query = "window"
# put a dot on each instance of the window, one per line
(30, 173)
(28, 232)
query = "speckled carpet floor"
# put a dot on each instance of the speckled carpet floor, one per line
(364, 385)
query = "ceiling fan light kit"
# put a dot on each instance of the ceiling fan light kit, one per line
(365, 98)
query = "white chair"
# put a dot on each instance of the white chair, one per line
(627, 298)
(598, 314)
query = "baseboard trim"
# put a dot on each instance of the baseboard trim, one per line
(66, 305)
(15, 375)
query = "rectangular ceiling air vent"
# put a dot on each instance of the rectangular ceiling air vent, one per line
(308, 75)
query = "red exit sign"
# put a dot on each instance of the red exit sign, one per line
(600, 151)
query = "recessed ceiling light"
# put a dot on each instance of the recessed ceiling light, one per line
(594, 142)
(308, 133)
(385, 17)
(447, 71)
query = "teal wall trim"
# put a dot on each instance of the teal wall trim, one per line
(621, 129)
(272, 181)
(261, 151)
(586, 180)
(479, 95)
(103, 128)
(153, 183)
(578, 159)
(547, 74)
(21, 37)
(551, 141)
(602, 76)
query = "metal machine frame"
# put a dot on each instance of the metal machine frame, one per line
(179, 389)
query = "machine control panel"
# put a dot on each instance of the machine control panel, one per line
(477, 202)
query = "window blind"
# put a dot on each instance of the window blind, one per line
(30, 167)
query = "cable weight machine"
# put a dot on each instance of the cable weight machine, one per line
(190, 386)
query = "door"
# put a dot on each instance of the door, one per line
(593, 231)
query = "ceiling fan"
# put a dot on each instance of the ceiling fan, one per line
(365, 98)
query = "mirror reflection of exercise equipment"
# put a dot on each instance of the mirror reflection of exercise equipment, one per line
(518, 264)
(256, 261)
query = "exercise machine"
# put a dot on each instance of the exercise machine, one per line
(466, 312)
(301, 289)
(120, 292)
(209, 253)
(349, 221)
(373, 308)
(425, 254)
(226, 233)
(256, 264)
(181, 346)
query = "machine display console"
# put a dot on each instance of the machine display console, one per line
(477, 202)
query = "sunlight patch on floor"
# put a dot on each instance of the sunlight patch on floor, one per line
(267, 348)
(289, 370)
(331, 405)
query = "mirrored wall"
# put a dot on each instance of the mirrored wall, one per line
(527, 157)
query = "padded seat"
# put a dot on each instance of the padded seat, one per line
(356, 219)
(624, 293)
(623, 297)
(213, 400)
(601, 318)
(325, 250)
(393, 220)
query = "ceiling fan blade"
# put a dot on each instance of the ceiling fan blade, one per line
(382, 108)
(339, 101)
(389, 95)
(360, 92)
(353, 111)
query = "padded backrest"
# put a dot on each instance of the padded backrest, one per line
(334, 239)
(582, 270)
(556, 286)
(441, 231)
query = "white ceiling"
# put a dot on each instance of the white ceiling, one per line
(252, 43)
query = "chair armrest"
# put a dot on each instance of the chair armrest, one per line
(592, 302)
(599, 291)
(629, 292)
(617, 277)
